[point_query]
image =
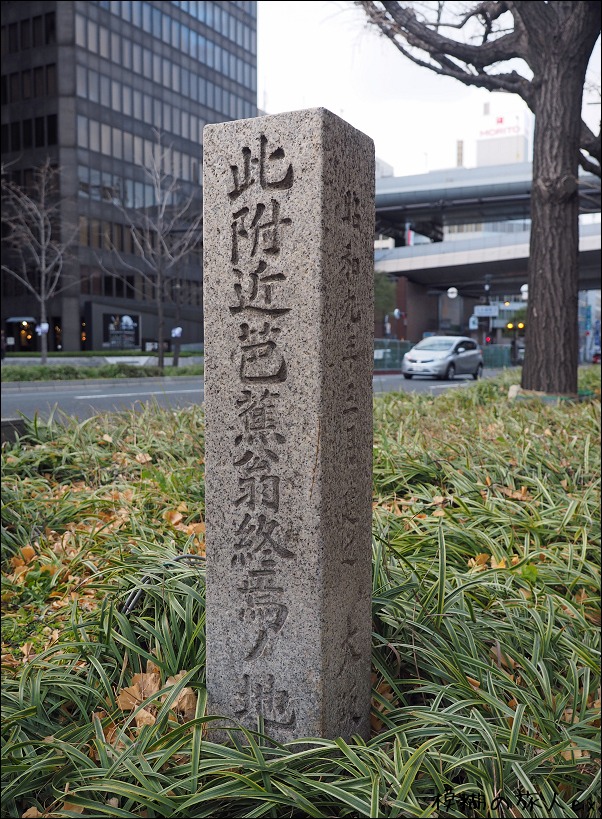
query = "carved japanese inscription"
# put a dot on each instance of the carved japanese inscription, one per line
(288, 358)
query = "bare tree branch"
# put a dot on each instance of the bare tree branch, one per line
(164, 236)
(34, 238)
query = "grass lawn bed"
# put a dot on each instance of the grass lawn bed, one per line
(486, 622)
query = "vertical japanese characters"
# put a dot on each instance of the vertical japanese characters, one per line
(259, 303)
(288, 258)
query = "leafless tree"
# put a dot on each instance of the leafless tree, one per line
(540, 51)
(166, 237)
(35, 242)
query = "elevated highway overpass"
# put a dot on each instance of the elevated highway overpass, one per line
(427, 203)
(463, 263)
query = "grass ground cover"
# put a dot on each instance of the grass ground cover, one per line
(71, 372)
(486, 622)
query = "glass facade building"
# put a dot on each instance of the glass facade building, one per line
(101, 88)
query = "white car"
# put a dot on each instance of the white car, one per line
(444, 357)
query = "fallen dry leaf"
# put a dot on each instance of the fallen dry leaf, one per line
(172, 516)
(31, 813)
(148, 684)
(479, 562)
(74, 808)
(185, 702)
(129, 698)
(143, 458)
(28, 553)
(144, 717)
(516, 494)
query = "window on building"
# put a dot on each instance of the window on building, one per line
(25, 34)
(15, 136)
(126, 46)
(80, 30)
(94, 135)
(39, 85)
(52, 135)
(13, 38)
(95, 234)
(116, 96)
(93, 86)
(127, 100)
(51, 84)
(105, 91)
(92, 38)
(117, 143)
(15, 87)
(49, 28)
(83, 231)
(27, 134)
(4, 139)
(103, 40)
(115, 48)
(105, 139)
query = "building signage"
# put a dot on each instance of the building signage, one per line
(486, 310)
(120, 332)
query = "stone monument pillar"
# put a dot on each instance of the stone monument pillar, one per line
(288, 294)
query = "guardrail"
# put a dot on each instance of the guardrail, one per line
(388, 353)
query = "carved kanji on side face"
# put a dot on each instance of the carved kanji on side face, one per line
(261, 360)
(263, 235)
(267, 168)
(351, 209)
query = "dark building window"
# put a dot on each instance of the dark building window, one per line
(39, 131)
(13, 38)
(27, 134)
(38, 82)
(15, 136)
(52, 130)
(51, 86)
(49, 28)
(38, 31)
(25, 34)
(15, 87)
(27, 89)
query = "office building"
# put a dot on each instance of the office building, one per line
(97, 87)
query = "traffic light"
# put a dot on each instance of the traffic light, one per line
(487, 339)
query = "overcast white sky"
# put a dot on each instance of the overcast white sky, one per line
(319, 53)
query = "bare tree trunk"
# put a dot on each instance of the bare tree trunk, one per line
(176, 341)
(551, 338)
(43, 335)
(160, 324)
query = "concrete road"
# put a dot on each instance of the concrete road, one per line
(85, 398)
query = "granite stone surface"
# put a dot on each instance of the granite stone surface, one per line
(288, 300)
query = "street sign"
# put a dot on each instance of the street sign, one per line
(486, 310)
(473, 323)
